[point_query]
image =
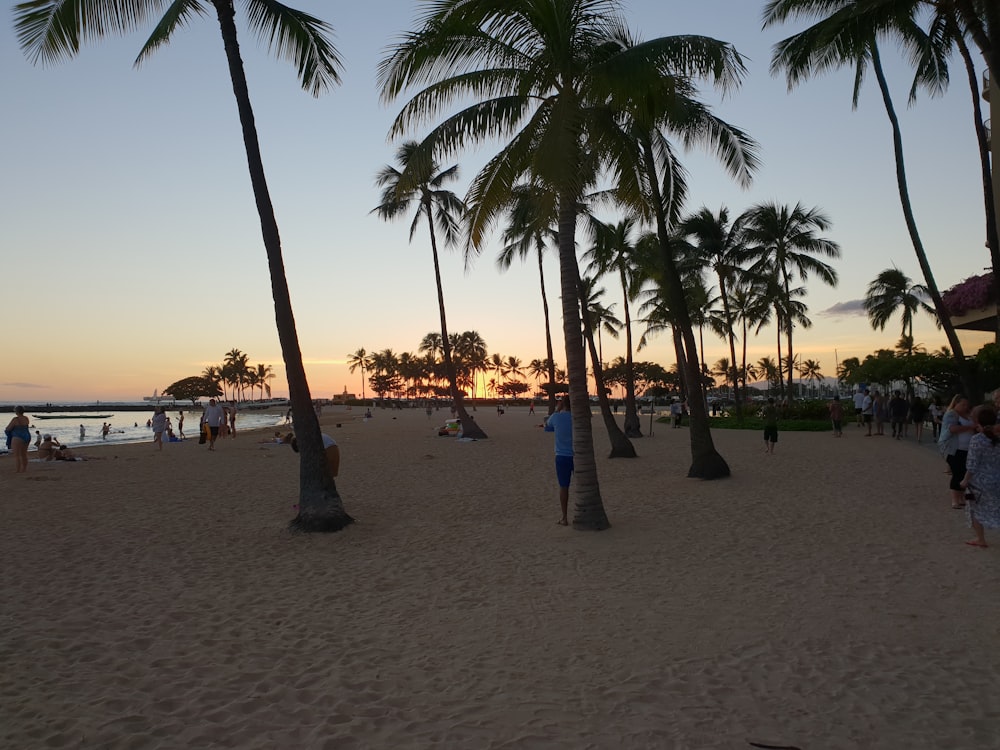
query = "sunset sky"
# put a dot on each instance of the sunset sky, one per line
(132, 254)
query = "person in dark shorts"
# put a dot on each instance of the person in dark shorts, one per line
(770, 426)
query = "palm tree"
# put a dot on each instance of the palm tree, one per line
(651, 182)
(749, 302)
(529, 227)
(419, 181)
(359, 359)
(844, 38)
(767, 369)
(49, 31)
(810, 370)
(784, 243)
(598, 317)
(719, 246)
(613, 251)
(264, 374)
(892, 292)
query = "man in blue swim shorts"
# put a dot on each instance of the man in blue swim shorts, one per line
(561, 423)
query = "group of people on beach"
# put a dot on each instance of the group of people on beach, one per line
(970, 443)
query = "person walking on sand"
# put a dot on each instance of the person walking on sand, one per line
(918, 413)
(982, 476)
(180, 425)
(837, 416)
(561, 423)
(956, 434)
(770, 426)
(214, 416)
(898, 409)
(859, 405)
(18, 439)
(866, 411)
(232, 419)
(159, 424)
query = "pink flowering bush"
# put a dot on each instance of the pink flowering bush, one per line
(974, 293)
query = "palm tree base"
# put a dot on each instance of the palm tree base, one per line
(319, 523)
(592, 520)
(709, 465)
(621, 447)
(472, 430)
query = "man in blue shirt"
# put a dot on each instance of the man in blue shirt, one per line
(561, 423)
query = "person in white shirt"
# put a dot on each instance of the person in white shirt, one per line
(214, 416)
(859, 402)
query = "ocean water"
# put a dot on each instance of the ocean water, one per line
(126, 426)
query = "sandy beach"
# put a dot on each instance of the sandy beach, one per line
(821, 598)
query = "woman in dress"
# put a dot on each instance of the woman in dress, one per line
(956, 432)
(18, 437)
(159, 425)
(982, 476)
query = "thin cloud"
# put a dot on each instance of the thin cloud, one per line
(26, 385)
(854, 307)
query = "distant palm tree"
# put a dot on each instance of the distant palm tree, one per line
(359, 359)
(50, 30)
(784, 242)
(810, 370)
(892, 292)
(613, 252)
(265, 373)
(419, 181)
(530, 218)
(718, 244)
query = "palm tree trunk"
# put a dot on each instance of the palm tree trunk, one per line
(589, 513)
(548, 337)
(706, 461)
(621, 446)
(469, 427)
(779, 321)
(631, 424)
(732, 346)
(911, 225)
(320, 505)
(992, 232)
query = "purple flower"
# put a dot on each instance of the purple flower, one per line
(975, 293)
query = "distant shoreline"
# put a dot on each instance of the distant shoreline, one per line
(134, 406)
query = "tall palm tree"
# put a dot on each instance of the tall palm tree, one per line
(359, 360)
(530, 219)
(419, 181)
(892, 291)
(598, 317)
(651, 181)
(750, 303)
(536, 63)
(784, 242)
(49, 31)
(613, 251)
(718, 244)
(846, 38)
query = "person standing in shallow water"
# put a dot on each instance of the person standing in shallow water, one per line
(561, 423)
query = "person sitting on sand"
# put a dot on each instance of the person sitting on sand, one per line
(47, 448)
(561, 423)
(982, 476)
(332, 453)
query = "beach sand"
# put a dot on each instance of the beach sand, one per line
(821, 598)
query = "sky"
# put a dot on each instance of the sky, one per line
(131, 248)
